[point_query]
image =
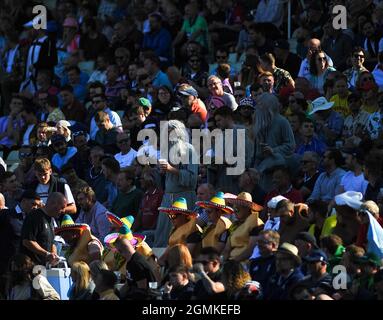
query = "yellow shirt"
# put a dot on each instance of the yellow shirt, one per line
(212, 234)
(340, 105)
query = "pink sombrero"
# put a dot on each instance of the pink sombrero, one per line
(124, 232)
(178, 207)
(217, 202)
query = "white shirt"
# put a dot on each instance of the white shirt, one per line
(126, 160)
(42, 191)
(350, 182)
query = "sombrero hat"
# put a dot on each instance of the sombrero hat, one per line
(118, 222)
(67, 224)
(178, 207)
(217, 202)
(123, 232)
(243, 199)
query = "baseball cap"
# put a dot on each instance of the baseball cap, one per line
(316, 256)
(143, 102)
(355, 152)
(246, 102)
(282, 44)
(190, 91)
(305, 236)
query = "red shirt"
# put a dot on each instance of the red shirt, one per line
(361, 240)
(199, 107)
(149, 207)
(292, 194)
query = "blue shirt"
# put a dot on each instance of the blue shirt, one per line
(334, 122)
(327, 185)
(314, 145)
(161, 43)
(161, 79)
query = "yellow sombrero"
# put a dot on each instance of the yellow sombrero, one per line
(243, 199)
(118, 222)
(124, 232)
(178, 207)
(67, 224)
(217, 202)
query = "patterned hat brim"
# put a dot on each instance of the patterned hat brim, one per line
(111, 238)
(212, 205)
(115, 220)
(177, 211)
(245, 203)
(71, 227)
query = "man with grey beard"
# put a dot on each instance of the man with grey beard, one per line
(274, 138)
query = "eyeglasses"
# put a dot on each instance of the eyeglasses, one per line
(213, 84)
(23, 155)
(123, 141)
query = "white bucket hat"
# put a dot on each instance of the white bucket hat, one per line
(351, 199)
(320, 104)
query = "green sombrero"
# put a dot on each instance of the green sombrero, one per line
(217, 202)
(67, 224)
(178, 207)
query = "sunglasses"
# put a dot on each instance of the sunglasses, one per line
(357, 56)
(322, 59)
(23, 155)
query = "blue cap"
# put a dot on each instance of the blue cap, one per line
(316, 256)
(247, 102)
(190, 91)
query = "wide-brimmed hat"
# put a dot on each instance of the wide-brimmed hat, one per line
(217, 202)
(118, 222)
(178, 207)
(67, 224)
(320, 104)
(291, 250)
(123, 232)
(351, 199)
(243, 199)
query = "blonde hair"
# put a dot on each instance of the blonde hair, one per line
(372, 207)
(82, 278)
(179, 254)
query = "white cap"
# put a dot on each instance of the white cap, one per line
(351, 199)
(272, 204)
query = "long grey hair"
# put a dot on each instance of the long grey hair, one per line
(178, 141)
(267, 107)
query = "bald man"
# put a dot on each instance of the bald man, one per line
(312, 45)
(37, 233)
(205, 192)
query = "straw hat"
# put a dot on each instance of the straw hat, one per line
(243, 199)
(291, 250)
(217, 202)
